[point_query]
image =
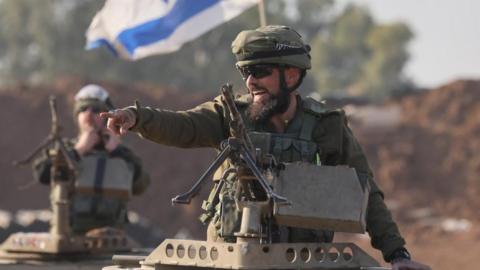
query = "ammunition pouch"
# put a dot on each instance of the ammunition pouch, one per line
(284, 147)
(209, 206)
(223, 214)
(230, 218)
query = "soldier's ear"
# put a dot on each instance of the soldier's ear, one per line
(292, 75)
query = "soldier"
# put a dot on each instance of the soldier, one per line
(273, 60)
(108, 171)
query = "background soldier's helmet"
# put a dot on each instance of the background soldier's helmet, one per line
(93, 96)
(272, 44)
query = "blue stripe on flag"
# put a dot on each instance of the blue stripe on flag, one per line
(162, 28)
(99, 43)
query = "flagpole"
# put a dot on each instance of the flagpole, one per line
(261, 12)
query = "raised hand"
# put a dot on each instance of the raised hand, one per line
(111, 140)
(120, 121)
(87, 140)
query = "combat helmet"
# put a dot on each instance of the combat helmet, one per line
(92, 95)
(272, 44)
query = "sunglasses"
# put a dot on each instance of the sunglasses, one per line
(256, 71)
(93, 109)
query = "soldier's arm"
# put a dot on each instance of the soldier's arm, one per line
(383, 231)
(202, 126)
(141, 179)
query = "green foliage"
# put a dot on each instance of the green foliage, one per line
(41, 40)
(23, 41)
(382, 73)
(356, 56)
(341, 51)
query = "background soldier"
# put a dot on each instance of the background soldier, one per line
(273, 61)
(109, 172)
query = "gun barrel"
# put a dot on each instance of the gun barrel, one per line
(54, 139)
(55, 129)
(238, 126)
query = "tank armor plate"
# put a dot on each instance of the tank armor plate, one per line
(174, 252)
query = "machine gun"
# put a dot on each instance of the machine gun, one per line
(54, 138)
(63, 170)
(241, 152)
(60, 242)
(244, 159)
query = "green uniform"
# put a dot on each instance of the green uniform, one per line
(93, 205)
(313, 135)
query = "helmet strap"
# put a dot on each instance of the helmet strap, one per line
(284, 87)
(283, 81)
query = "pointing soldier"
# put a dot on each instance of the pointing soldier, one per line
(109, 172)
(273, 61)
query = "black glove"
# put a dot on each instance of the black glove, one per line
(399, 254)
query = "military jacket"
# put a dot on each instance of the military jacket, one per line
(94, 202)
(332, 141)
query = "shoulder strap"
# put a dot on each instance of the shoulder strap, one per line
(307, 127)
(312, 109)
(313, 106)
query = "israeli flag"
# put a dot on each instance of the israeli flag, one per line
(134, 29)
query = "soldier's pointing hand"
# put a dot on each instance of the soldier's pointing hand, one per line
(120, 121)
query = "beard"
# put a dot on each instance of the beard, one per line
(259, 112)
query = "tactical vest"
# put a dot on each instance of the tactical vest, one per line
(100, 174)
(102, 188)
(285, 147)
(292, 147)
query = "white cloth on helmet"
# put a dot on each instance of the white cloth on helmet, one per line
(92, 91)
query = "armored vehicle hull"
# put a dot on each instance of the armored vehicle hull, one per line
(47, 249)
(249, 255)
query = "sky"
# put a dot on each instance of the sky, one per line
(446, 45)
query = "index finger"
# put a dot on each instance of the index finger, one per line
(113, 126)
(107, 114)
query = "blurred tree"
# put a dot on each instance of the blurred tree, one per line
(306, 17)
(356, 56)
(25, 42)
(53, 44)
(382, 73)
(341, 50)
(40, 40)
